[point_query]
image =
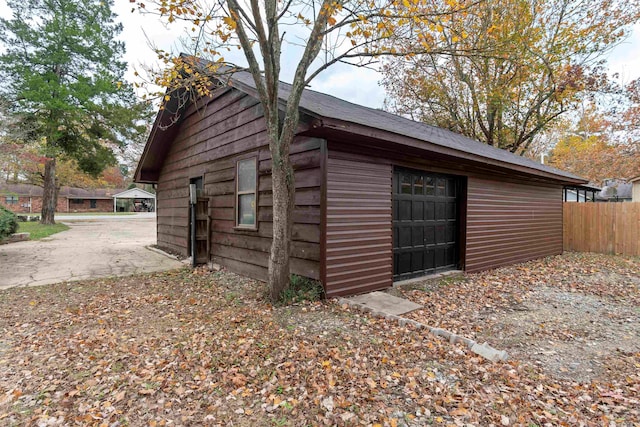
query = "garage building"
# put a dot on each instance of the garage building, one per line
(379, 198)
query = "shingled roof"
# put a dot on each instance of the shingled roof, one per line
(322, 105)
(30, 190)
(337, 113)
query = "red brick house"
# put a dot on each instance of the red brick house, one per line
(27, 198)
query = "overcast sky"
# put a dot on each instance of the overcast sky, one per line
(352, 84)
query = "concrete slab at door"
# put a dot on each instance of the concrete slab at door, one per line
(384, 303)
(91, 248)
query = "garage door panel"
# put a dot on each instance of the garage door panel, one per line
(429, 210)
(450, 256)
(404, 210)
(417, 261)
(430, 260)
(425, 223)
(451, 233)
(404, 262)
(440, 256)
(430, 235)
(417, 210)
(404, 236)
(440, 233)
(417, 235)
(452, 211)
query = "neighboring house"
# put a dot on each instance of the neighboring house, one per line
(635, 189)
(379, 198)
(580, 193)
(27, 198)
(615, 190)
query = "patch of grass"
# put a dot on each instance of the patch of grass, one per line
(302, 289)
(39, 231)
(451, 279)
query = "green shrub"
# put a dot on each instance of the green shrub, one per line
(302, 289)
(8, 222)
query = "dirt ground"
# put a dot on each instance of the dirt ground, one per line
(576, 316)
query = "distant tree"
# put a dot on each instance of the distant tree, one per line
(629, 117)
(63, 76)
(18, 162)
(70, 174)
(543, 57)
(17, 159)
(590, 149)
(22, 162)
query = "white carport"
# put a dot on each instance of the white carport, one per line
(135, 194)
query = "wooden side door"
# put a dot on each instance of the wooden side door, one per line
(202, 230)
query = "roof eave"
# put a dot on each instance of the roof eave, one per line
(343, 126)
(151, 141)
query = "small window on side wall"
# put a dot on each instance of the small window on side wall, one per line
(246, 191)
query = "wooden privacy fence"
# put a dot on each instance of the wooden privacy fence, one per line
(607, 228)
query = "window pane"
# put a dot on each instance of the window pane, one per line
(247, 175)
(428, 186)
(417, 185)
(441, 187)
(451, 188)
(247, 209)
(405, 184)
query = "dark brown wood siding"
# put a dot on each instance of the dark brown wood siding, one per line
(208, 144)
(358, 228)
(510, 222)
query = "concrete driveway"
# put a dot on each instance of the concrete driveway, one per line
(94, 247)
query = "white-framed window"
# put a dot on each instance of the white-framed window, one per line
(247, 192)
(11, 200)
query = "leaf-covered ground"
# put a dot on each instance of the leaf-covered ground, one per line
(199, 348)
(577, 316)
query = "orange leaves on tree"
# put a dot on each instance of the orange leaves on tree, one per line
(513, 74)
(588, 149)
(230, 22)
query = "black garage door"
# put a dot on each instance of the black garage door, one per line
(425, 223)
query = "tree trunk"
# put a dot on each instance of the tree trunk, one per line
(50, 193)
(283, 199)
